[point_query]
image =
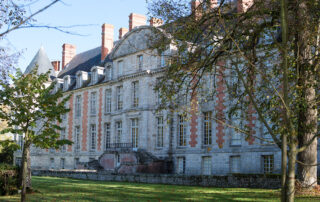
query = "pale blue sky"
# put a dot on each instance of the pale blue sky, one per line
(75, 12)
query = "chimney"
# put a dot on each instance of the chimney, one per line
(107, 40)
(196, 9)
(68, 52)
(244, 5)
(206, 6)
(56, 65)
(122, 32)
(136, 20)
(155, 22)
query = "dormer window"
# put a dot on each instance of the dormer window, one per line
(108, 73)
(94, 77)
(66, 83)
(81, 79)
(140, 61)
(79, 83)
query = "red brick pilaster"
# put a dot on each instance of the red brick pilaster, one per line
(85, 121)
(70, 122)
(220, 107)
(99, 119)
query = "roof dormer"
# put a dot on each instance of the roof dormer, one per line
(96, 74)
(58, 85)
(81, 78)
(66, 82)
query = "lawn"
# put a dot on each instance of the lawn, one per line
(64, 189)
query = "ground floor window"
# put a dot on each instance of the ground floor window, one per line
(76, 163)
(235, 164)
(51, 163)
(18, 161)
(135, 132)
(181, 165)
(62, 162)
(206, 165)
(267, 163)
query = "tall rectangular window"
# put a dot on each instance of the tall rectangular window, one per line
(77, 138)
(108, 101)
(107, 134)
(78, 106)
(120, 68)
(181, 165)
(78, 81)
(267, 163)
(51, 163)
(135, 94)
(20, 142)
(182, 131)
(206, 165)
(108, 73)
(160, 131)
(94, 77)
(140, 61)
(235, 164)
(118, 131)
(93, 103)
(236, 138)
(62, 163)
(63, 137)
(65, 84)
(162, 60)
(119, 97)
(93, 134)
(135, 132)
(207, 128)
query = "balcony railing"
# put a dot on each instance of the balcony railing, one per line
(118, 145)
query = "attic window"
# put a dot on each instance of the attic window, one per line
(78, 81)
(108, 73)
(94, 76)
(65, 84)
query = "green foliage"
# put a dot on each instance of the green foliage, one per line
(9, 179)
(8, 148)
(33, 109)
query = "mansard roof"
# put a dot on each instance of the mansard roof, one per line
(42, 62)
(82, 62)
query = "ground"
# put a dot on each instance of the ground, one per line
(63, 189)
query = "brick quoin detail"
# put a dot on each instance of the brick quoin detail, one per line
(70, 122)
(85, 121)
(100, 119)
(194, 117)
(251, 124)
(220, 107)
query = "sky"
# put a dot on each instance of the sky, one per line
(90, 14)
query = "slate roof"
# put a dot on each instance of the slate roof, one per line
(43, 63)
(83, 61)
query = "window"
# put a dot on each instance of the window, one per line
(65, 84)
(118, 131)
(266, 137)
(267, 163)
(207, 128)
(158, 92)
(160, 131)
(135, 94)
(108, 101)
(78, 81)
(181, 165)
(94, 77)
(120, 68)
(235, 164)
(76, 163)
(206, 165)
(135, 132)
(236, 138)
(107, 134)
(108, 73)
(63, 137)
(93, 133)
(235, 133)
(119, 98)
(182, 130)
(93, 103)
(51, 163)
(20, 141)
(78, 106)
(140, 61)
(18, 161)
(62, 161)
(77, 138)
(162, 60)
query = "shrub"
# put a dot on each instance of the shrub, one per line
(9, 179)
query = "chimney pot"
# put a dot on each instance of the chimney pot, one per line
(68, 52)
(136, 20)
(107, 40)
(56, 65)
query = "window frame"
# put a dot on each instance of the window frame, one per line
(182, 131)
(207, 128)
(93, 137)
(93, 103)
(160, 132)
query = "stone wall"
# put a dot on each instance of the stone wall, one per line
(237, 180)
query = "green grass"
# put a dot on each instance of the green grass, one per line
(64, 189)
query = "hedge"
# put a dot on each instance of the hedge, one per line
(9, 179)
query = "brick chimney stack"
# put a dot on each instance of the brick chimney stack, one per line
(56, 65)
(107, 40)
(197, 8)
(68, 52)
(244, 5)
(122, 32)
(136, 20)
(155, 22)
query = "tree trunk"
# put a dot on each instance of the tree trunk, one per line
(291, 172)
(284, 160)
(24, 171)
